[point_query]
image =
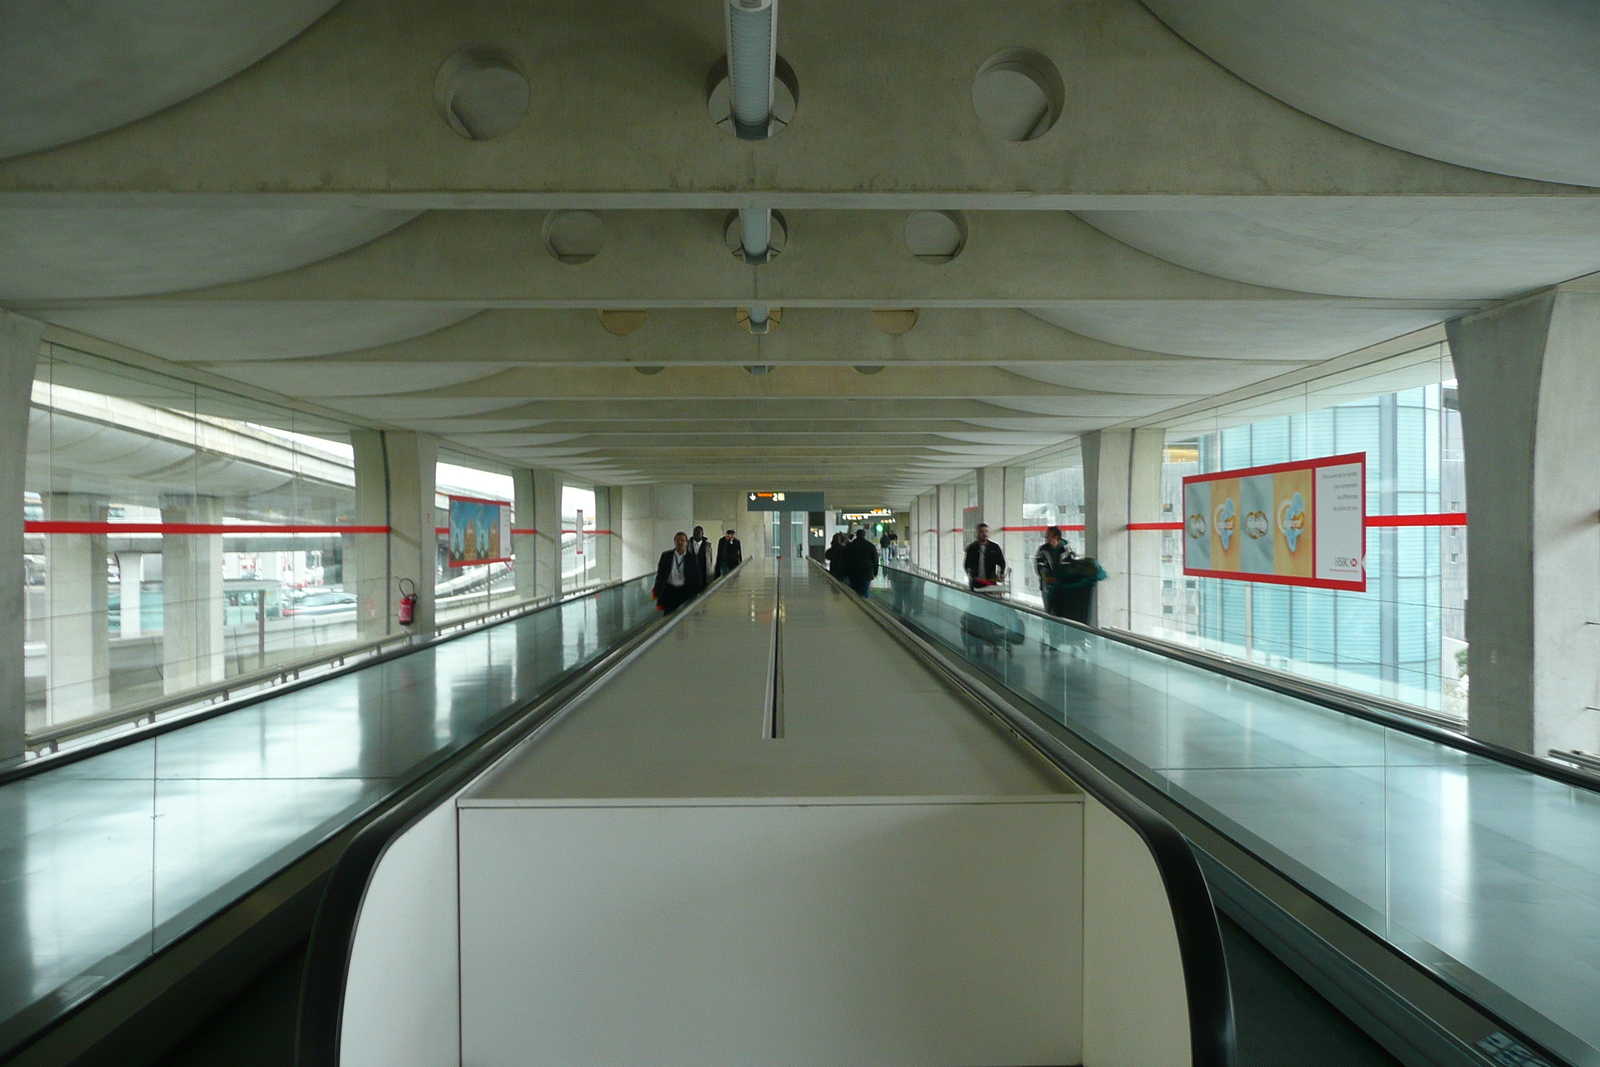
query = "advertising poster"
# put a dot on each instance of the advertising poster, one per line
(1301, 523)
(480, 531)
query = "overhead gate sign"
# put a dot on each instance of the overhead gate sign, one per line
(1299, 523)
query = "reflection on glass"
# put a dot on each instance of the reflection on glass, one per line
(1489, 872)
(110, 858)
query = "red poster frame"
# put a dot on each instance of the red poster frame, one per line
(1279, 468)
(446, 531)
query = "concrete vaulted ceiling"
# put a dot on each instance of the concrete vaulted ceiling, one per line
(1232, 194)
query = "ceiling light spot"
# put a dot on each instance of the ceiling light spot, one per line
(733, 235)
(621, 322)
(894, 321)
(1018, 94)
(480, 93)
(764, 321)
(760, 368)
(574, 236)
(785, 97)
(935, 236)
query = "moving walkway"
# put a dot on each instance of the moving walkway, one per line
(813, 703)
(771, 836)
(1441, 892)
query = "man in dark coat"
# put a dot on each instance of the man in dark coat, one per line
(678, 576)
(730, 553)
(700, 545)
(985, 563)
(860, 562)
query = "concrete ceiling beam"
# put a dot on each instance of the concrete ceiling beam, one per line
(817, 336)
(657, 259)
(828, 384)
(346, 112)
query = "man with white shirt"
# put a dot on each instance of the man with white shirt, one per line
(679, 575)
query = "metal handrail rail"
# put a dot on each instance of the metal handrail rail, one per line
(278, 683)
(1212, 1040)
(1217, 661)
(1343, 701)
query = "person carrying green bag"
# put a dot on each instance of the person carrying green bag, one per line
(1066, 580)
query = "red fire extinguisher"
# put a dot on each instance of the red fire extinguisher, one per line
(408, 602)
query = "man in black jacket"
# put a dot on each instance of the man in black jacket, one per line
(730, 553)
(678, 576)
(860, 564)
(985, 563)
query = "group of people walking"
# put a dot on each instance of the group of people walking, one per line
(690, 565)
(1066, 580)
(853, 560)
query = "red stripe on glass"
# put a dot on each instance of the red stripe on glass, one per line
(189, 528)
(1447, 518)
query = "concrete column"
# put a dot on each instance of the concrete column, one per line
(524, 546)
(1122, 484)
(948, 522)
(651, 514)
(1530, 413)
(992, 498)
(394, 487)
(1018, 546)
(191, 596)
(19, 355)
(1144, 546)
(638, 527)
(912, 533)
(674, 512)
(130, 591)
(1000, 505)
(605, 544)
(547, 521)
(79, 645)
(719, 510)
(366, 556)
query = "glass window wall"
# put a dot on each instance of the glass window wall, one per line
(461, 592)
(579, 549)
(176, 537)
(1402, 639)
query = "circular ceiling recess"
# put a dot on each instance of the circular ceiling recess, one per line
(574, 237)
(894, 321)
(1018, 94)
(481, 94)
(621, 322)
(936, 236)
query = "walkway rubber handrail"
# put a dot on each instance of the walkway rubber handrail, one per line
(224, 707)
(1309, 692)
(1212, 1039)
(320, 1019)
